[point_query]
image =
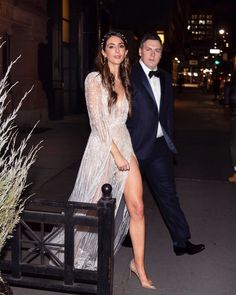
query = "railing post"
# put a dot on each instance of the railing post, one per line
(106, 207)
(15, 253)
(69, 247)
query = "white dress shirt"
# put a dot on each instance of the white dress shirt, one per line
(156, 89)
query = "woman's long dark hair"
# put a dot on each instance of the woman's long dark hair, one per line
(108, 78)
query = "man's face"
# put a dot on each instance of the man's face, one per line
(150, 53)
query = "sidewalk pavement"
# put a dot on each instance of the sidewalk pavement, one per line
(207, 199)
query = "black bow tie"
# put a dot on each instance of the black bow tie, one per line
(154, 73)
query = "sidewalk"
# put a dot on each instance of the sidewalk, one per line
(208, 200)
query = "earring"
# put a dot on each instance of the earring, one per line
(104, 60)
(124, 63)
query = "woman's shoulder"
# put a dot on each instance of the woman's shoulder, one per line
(93, 77)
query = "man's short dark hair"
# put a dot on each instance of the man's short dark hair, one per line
(149, 36)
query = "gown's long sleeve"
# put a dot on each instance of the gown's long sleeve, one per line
(96, 109)
(97, 155)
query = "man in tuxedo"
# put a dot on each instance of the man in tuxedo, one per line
(151, 130)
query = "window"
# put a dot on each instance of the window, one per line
(66, 21)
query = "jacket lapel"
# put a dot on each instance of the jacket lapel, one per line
(145, 82)
(162, 83)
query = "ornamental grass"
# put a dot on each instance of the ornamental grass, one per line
(16, 158)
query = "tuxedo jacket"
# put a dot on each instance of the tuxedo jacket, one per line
(143, 121)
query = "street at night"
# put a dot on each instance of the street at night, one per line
(203, 165)
(89, 66)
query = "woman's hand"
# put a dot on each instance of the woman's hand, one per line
(121, 163)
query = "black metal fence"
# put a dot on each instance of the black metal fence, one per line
(26, 259)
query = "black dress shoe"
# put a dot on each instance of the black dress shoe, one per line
(190, 249)
(127, 242)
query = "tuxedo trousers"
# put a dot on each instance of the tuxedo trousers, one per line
(158, 170)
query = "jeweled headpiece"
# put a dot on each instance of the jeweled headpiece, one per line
(112, 33)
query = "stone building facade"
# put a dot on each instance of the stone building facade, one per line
(57, 41)
(23, 26)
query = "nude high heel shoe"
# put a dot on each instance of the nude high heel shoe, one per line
(148, 284)
(232, 178)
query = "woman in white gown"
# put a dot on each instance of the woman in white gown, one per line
(109, 157)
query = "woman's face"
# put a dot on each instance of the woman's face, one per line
(115, 50)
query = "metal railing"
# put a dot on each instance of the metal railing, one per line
(26, 262)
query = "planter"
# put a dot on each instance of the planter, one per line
(5, 289)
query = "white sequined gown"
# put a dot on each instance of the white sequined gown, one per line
(98, 167)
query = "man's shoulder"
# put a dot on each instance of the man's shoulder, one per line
(136, 70)
(135, 67)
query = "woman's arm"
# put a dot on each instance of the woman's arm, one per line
(93, 93)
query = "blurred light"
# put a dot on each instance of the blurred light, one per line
(214, 51)
(221, 31)
(177, 60)
(217, 62)
(161, 34)
(225, 56)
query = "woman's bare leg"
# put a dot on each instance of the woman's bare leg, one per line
(134, 200)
